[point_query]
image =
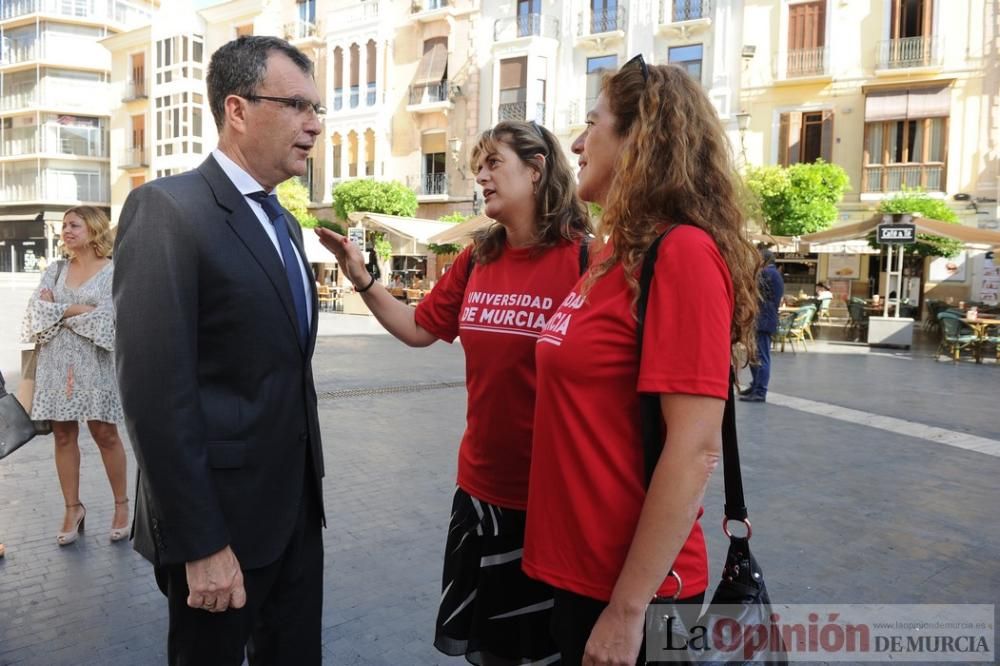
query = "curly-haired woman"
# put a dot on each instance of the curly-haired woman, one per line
(655, 157)
(71, 317)
(498, 295)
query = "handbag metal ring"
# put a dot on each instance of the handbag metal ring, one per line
(680, 584)
(725, 527)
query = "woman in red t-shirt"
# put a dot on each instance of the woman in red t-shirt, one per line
(653, 155)
(498, 295)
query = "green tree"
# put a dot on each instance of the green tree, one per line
(371, 196)
(796, 200)
(918, 201)
(293, 195)
(454, 216)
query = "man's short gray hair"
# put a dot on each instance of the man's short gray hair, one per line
(239, 68)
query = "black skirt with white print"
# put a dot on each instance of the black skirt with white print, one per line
(490, 610)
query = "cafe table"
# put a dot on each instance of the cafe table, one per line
(979, 325)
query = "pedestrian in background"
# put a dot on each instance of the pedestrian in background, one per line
(70, 317)
(218, 307)
(655, 157)
(497, 295)
(772, 289)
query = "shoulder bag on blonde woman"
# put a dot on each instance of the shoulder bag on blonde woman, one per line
(26, 389)
(16, 427)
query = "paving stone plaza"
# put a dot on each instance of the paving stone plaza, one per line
(871, 477)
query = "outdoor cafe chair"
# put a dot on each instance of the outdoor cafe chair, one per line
(953, 338)
(857, 320)
(993, 338)
(794, 327)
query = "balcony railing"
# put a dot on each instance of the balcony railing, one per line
(512, 111)
(60, 186)
(805, 62)
(95, 10)
(909, 52)
(134, 90)
(365, 11)
(19, 96)
(526, 25)
(301, 30)
(417, 6)
(371, 96)
(688, 10)
(134, 157)
(55, 139)
(896, 178)
(430, 184)
(65, 49)
(18, 51)
(16, 144)
(429, 94)
(599, 21)
(338, 99)
(58, 93)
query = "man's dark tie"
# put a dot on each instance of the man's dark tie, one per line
(293, 270)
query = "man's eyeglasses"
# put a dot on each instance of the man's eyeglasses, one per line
(298, 103)
(639, 62)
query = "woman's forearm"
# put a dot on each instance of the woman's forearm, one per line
(690, 455)
(396, 317)
(77, 309)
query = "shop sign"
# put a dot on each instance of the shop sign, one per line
(897, 234)
(357, 236)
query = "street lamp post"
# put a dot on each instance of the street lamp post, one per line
(743, 124)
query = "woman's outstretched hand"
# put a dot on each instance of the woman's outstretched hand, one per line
(348, 254)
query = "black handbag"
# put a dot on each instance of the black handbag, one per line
(16, 427)
(740, 600)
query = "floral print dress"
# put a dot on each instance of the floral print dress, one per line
(75, 376)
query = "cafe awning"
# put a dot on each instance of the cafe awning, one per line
(415, 232)
(461, 233)
(859, 230)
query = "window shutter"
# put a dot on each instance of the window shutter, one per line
(794, 147)
(783, 140)
(826, 151)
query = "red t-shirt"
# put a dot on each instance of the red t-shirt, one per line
(499, 314)
(587, 471)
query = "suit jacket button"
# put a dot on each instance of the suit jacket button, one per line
(303, 436)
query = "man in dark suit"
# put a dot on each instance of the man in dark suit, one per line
(772, 288)
(216, 328)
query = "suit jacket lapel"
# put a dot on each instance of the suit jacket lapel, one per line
(247, 227)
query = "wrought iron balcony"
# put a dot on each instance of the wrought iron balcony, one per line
(418, 6)
(431, 93)
(525, 25)
(690, 10)
(512, 111)
(301, 30)
(805, 62)
(134, 157)
(909, 52)
(134, 90)
(896, 178)
(430, 184)
(600, 21)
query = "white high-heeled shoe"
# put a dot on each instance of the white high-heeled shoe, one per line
(66, 538)
(119, 533)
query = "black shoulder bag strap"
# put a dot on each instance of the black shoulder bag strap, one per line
(652, 417)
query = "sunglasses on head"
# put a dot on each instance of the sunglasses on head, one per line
(640, 62)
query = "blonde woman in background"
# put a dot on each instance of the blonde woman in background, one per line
(71, 317)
